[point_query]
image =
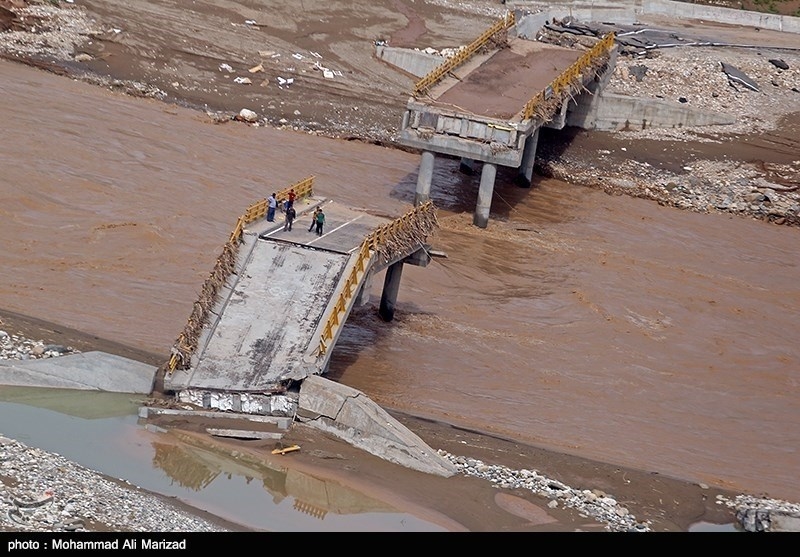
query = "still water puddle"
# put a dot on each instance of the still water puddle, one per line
(101, 431)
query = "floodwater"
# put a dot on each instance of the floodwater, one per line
(602, 326)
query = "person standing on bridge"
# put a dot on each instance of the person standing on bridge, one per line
(314, 219)
(272, 204)
(290, 215)
(320, 221)
(292, 197)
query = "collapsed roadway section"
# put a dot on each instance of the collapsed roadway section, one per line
(262, 332)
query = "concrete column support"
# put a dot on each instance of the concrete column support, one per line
(391, 286)
(424, 178)
(467, 166)
(485, 191)
(528, 159)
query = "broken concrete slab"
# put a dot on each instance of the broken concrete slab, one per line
(280, 422)
(88, 371)
(350, 415)
(242, 434)
(737, 76)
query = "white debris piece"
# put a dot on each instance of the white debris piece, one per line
(248, 115)
(225, 68)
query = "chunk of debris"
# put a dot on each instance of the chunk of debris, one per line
(284, 450)
(778, 63)
(246, 115)
(638, 72)
(255, 69)
(736, 76)
(242, 434)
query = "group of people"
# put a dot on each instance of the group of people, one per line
(289, 212)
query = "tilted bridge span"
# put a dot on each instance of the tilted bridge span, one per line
(276, 301)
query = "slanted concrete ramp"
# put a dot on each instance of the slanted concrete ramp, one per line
(89, 371)
(350, 415)
(262, 337)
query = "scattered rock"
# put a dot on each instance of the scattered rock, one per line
(778, 63)
(246, 115)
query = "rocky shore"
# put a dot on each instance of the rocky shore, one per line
(44, 492)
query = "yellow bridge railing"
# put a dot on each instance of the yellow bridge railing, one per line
(569, 76)
(462, 55)
(258, 210)
(187, 341)
(390, 240)
(336, 318)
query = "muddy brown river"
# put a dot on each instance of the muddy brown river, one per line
(602, 326)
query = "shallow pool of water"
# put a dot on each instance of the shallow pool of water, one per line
(101, 431)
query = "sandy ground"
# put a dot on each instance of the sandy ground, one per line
(228, 57)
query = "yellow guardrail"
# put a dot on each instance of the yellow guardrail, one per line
(565, 80)
(395, 232)
(336, 318)
(224, 266)
(258, 210)
(463, 54)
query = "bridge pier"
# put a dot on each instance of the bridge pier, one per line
(528, 159)
(391, 287)
(485, 191)
(424, 178)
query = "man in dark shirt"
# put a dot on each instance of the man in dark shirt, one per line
(320, 222)
(290, 215)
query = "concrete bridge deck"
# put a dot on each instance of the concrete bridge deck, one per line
(498, 84)
(266, 330)
(487, 102)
